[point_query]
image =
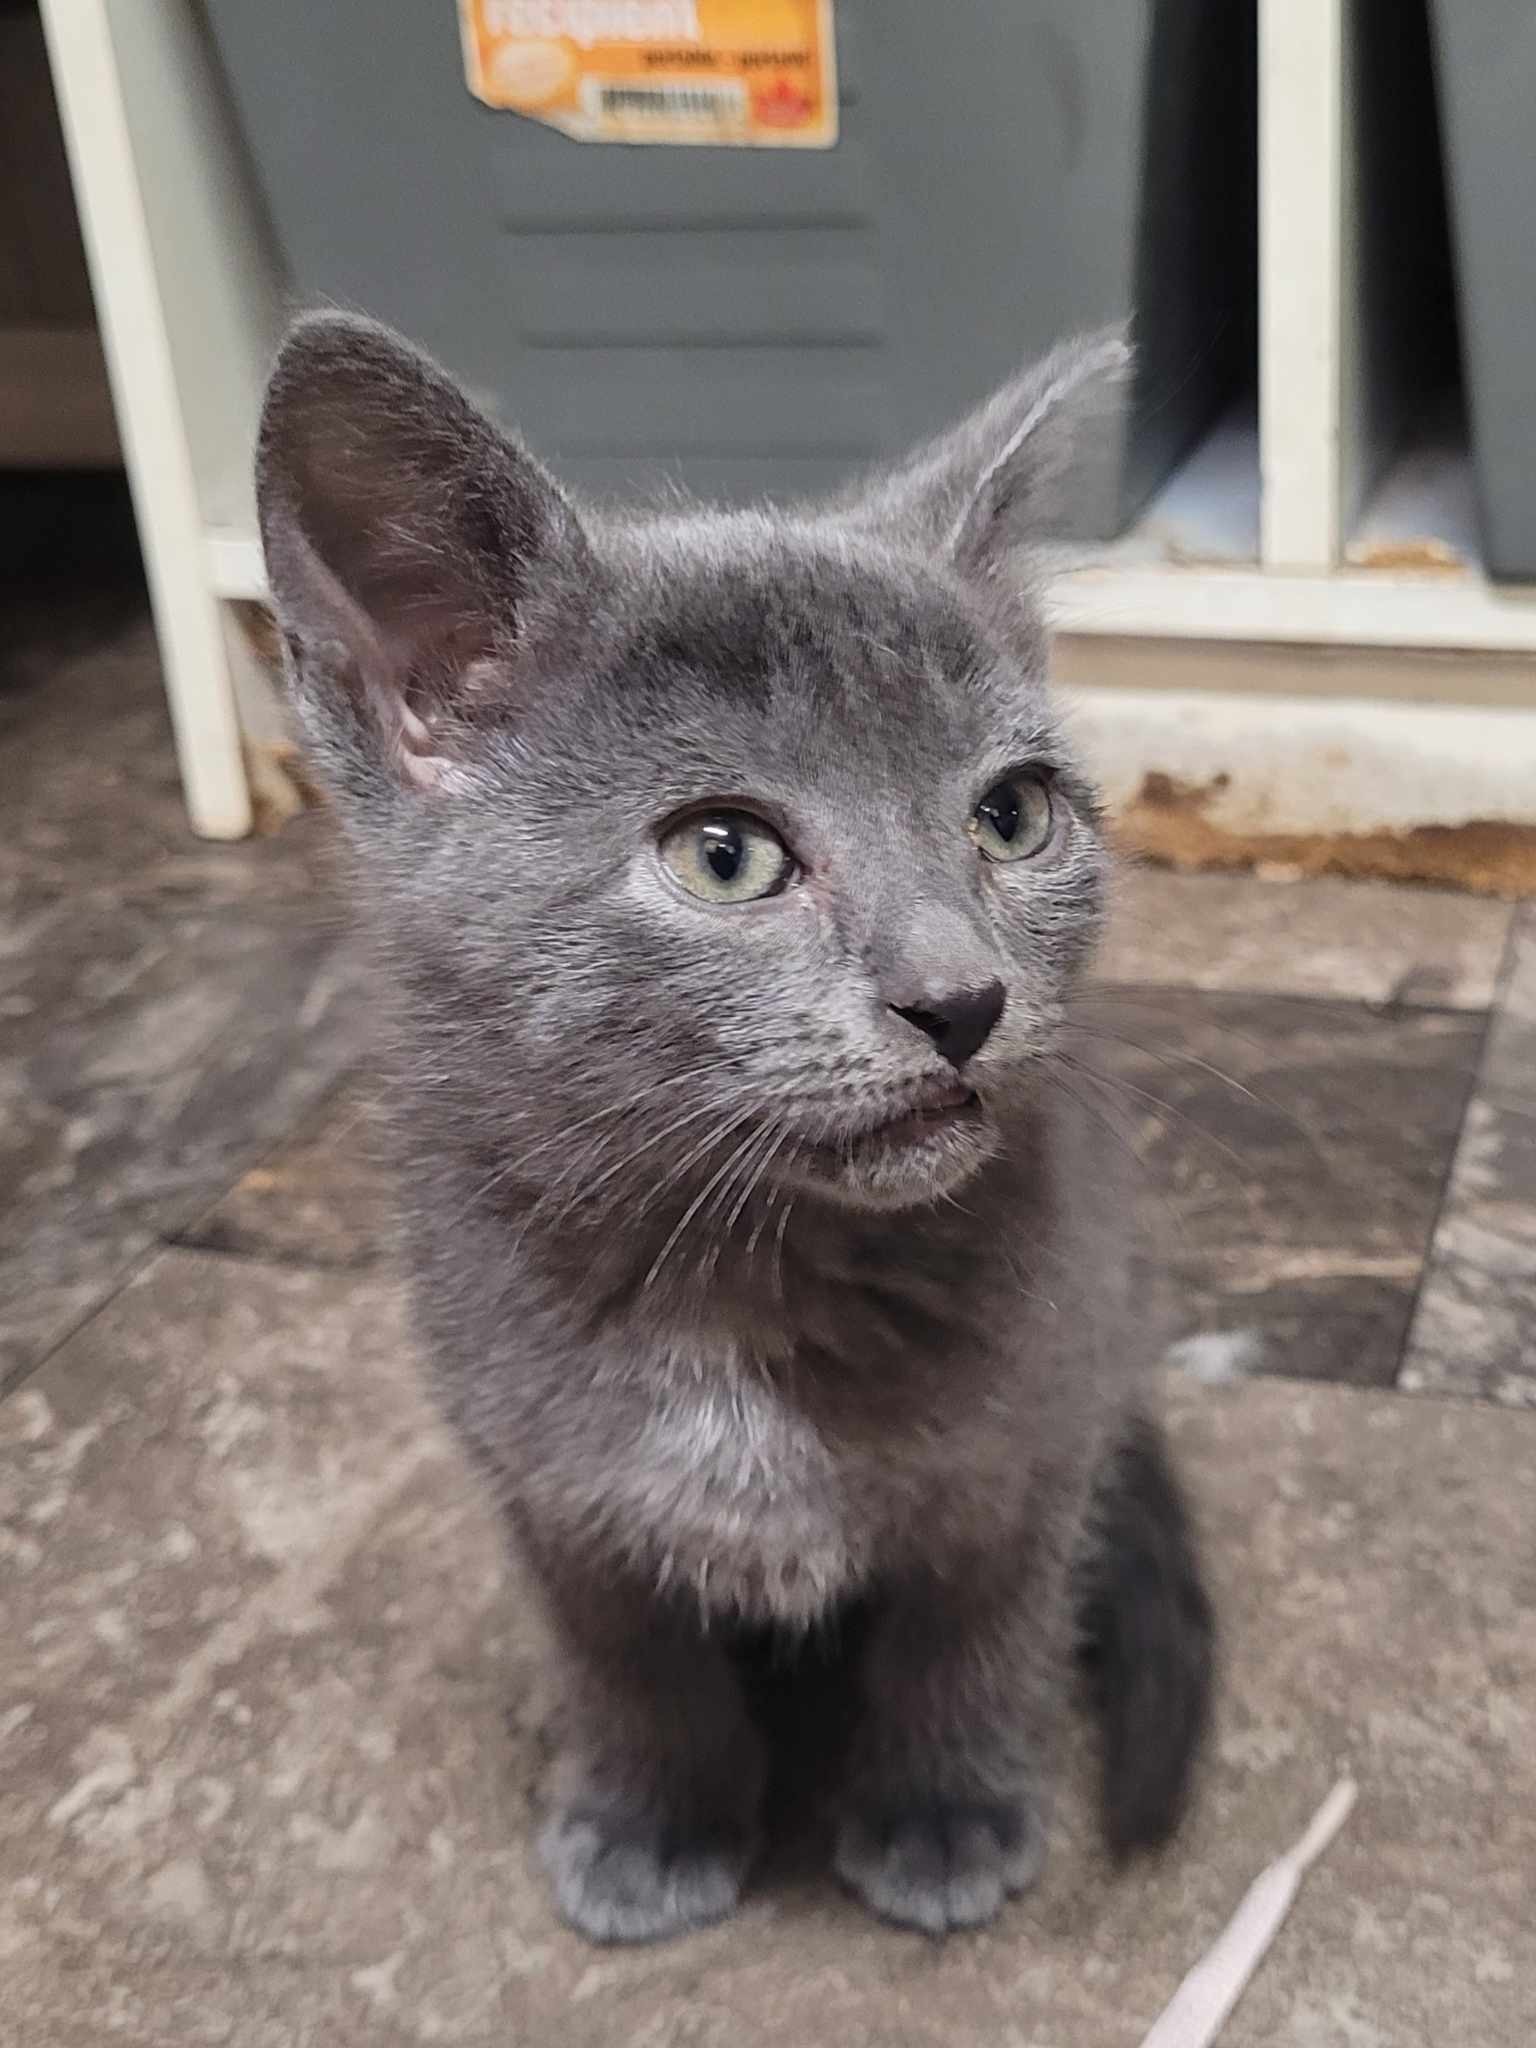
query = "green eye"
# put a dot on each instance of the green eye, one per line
(727, 857)
(1015, 819)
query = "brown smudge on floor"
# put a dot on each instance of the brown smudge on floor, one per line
(1423, 556)
(1167, 821)
(280, 781)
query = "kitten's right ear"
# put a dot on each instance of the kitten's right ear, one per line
(987, 487)
(414, 553)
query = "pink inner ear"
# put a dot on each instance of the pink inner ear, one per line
(403, 533)
(420, 762)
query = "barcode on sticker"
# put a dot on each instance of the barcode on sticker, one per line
(709, 105)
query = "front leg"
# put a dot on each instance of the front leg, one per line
(945, 1811)
(659, 1782)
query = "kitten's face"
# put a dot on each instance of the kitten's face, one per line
(722, 853)
(715, 878)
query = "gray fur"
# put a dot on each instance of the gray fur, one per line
(729, 1364)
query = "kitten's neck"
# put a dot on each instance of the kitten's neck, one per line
(784, 1270)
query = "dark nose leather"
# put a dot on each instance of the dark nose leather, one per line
(959, 1023)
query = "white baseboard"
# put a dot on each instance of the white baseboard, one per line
(1269, 764)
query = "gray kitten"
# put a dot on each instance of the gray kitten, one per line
(730, 872)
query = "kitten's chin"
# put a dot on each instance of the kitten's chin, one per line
(903, 1165)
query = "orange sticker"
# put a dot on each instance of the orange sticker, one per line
(745, 73)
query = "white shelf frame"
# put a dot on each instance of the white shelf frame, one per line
(189, 302)
(1301, 235)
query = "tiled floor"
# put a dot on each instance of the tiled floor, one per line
(271, 1710)
(168, 1009)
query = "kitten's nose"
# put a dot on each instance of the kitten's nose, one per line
(959, 1023)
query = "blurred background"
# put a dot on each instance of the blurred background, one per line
(746, 246)
(1306, 638)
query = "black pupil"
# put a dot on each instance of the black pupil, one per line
(1000, 808)
(723, 850)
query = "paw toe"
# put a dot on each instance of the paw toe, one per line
(943, 1868)
(618, 1886)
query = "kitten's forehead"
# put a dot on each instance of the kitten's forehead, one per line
(796, 636)
(452, 617)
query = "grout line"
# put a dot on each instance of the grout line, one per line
(272, 1255)
(122, 1278)
(1389, 1005)
(163, 1239)
(1503, 983)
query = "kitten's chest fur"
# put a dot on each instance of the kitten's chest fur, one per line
(773, 1487)
(726, 1483)
(887, 1403)
(735, 1497)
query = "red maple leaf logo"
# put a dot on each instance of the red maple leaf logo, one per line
(782, 104)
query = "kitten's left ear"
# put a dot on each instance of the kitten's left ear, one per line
(416, 556)
(984, 488)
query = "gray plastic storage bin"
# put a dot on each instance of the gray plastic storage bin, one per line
(760, 321)
(1485, 56)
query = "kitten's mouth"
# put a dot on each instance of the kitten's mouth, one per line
(928, 1119)
(937, 1112)
(925, 1143)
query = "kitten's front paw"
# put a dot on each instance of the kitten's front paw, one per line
(618, 1879)
(940, 1867)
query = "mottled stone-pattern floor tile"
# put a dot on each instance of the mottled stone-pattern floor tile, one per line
(275, 1717)
(208, 1436)
(168, 1008)
(1293, 1155)
(325, 1197)
(1475, 1328)
(1375, 1580)
(1366, 941)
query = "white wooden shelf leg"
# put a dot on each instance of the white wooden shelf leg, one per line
(149, 414)
(1301, 256)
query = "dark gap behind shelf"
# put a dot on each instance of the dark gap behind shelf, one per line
(1402, 377)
